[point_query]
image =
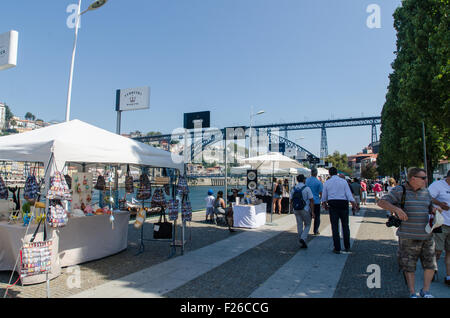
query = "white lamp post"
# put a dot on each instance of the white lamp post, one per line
(251, 124)
(95, 5)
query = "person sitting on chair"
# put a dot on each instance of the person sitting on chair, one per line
(219, 209)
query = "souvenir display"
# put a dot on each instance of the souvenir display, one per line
(158, 198)
(82, 190)
(144, 191)
(35, 258)
(173, 209)
(58, 195)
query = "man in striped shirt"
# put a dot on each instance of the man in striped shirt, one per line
(414, 241)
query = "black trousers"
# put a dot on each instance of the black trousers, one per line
(338, 210)
(316, 218)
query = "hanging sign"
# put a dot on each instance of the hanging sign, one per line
(8, 49)
(133, 98)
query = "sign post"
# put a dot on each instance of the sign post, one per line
(8, 49)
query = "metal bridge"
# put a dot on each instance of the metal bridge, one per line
(268, 129)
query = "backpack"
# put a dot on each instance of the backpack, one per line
(101, 184)
(297, 199)
(31, 188)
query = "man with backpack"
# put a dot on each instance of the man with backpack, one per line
(302, 202)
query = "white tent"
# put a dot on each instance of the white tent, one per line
(242, 170)
(272, 160)
(78, 142)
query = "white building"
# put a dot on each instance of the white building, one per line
(2, 116)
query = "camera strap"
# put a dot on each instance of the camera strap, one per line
(402, 202)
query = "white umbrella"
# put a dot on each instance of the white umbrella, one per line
(242, 170)
(272, 160)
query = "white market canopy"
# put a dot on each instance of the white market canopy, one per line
(242, 170)
(78, 142)
(272, 160)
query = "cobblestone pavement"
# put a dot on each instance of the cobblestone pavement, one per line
(238, 277)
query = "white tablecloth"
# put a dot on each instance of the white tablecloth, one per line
(249, 216)
(81, 240)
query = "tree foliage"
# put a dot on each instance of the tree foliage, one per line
(418, 89)
(369, 171)
(340, 162)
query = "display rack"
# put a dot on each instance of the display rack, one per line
(174, 242)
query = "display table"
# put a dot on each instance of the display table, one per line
(83, 239)
(249, 216)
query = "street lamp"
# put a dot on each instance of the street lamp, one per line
(251, 123)
(95, 5)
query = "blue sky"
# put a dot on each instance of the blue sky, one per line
(296, 59)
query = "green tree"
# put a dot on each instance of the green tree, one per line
(29, 116)
(418, 89)
(154, 133)
(369, 171)
(340, 162)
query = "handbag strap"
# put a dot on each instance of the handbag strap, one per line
(162, 214)
(36, 231)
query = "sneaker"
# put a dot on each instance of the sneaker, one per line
(347, 251)
(303, 244)
(425, 294)
(336, 252)
(447, 281)
(413, 296)
(316, 233)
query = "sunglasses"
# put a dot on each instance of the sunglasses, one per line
(423, 178)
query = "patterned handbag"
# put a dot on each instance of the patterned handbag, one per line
(3, 190)
(173, 209)
(57, 215)
(186, 210)
(101, 184)
(129, 186)
(31, 189)
(35, 257)
(182, 186)
(144, 191)
(59, 190)
(158, 199)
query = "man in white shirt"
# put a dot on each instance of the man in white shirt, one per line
(440, 192)
(303, 210)
(335, 196)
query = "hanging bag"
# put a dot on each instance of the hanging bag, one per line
(31, 189)
(3, 190)
(158, 199)
(145, 189)
(162, 230)
(173, 209)
(186, 209)
(129, 186)
(140, 218)
(35, 257)
(182, 186)
(101, 184)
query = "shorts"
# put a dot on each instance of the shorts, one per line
(357, 199)
(277, 196)
(363, 195)
(409, 251)
(442, 240)
(209, 211)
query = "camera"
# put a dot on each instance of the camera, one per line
(393, 221)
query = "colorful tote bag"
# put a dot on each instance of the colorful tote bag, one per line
(140, 218)
(173, 209)
(144, 191)
(59, 190)
(3, 190)
(158, 199)
(186, 210)
(182, 186)
(31, 189)
(57, 215)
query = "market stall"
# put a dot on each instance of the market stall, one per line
(249, 216)
(82, 238)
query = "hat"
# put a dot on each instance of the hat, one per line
(438, 220)
(210, 192)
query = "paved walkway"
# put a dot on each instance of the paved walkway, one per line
(250, 263)
(268, 263)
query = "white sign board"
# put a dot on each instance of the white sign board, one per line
(133, 98)
(8, 49)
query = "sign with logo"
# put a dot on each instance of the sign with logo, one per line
(8, 49)
(133, 98)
